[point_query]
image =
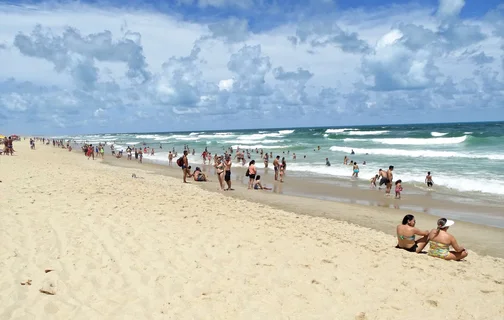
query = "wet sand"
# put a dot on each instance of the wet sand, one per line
(367, 208)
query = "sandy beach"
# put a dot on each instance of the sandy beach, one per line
(154, 248)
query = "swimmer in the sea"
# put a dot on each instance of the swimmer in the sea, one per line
(327, 163)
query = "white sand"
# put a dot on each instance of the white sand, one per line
(124, 248)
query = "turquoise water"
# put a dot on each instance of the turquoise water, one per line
(463, 157)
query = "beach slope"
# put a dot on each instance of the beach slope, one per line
(152, 247)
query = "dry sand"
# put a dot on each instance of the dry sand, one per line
(124, 248)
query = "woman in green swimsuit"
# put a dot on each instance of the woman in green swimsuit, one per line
(406, 235)
(441, 240)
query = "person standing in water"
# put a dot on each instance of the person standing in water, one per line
(428, 180)
(389, 178)
(355, 170)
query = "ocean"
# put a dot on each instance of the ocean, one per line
(466, 158)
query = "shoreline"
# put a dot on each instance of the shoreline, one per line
(485, 241)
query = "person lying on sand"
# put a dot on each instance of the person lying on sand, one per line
(406, 235)
(441, 240)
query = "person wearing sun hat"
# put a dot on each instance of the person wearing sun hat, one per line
(441, 240)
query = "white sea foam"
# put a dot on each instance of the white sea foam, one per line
(252, 141)
(286, 131)
(258, 136)
(367, 133)
(215, 136)
(326, 135)
(459, 183)
(188, 138)
(420, 141)
(438, 134)
(259, 146)
(339, 130)
(146, 136)
(418, 153)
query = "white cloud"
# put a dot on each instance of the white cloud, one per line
(450, 8)
(69, 63)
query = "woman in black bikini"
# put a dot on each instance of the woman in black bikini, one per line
(219, 166)
(406, 235)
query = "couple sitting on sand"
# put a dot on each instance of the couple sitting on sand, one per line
(439, 239)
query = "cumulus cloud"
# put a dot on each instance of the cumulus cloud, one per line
(250, 67)
(325, 33)
(450, 8)
(82, 68)
(230, 30)
(77, 54)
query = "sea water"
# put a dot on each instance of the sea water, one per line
(466, 158)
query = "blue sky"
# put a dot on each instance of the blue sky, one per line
(119, 66)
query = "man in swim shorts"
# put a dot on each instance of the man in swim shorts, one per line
(227, 170)
(428, 180)
(389, 179)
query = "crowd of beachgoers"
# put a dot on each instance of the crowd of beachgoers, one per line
(409, 237)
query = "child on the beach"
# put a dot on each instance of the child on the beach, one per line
(258, 185)
(373, 181)
(398, 189)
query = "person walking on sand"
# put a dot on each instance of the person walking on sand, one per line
(185, 166)
(398, 189)
(276, 166)
(406, 233)
(441, 240)
(227, 174)
(252, 171)
(428, 180)
(219, 169)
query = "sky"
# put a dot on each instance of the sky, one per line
(182, 65)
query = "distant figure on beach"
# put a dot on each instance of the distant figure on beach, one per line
(388, 180)
(258, 185)
(398, 189)
(355, 170)
(219, 167)
(441, 240)
(185, 166)
(406, 233)
(373, 181)
(428, 180)
(345, 160)
(252, 171)
(327, 163)
(152, 152)
(266, 159)
(276, 166)
(170, 158)
(352, 152)
(227, 168)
